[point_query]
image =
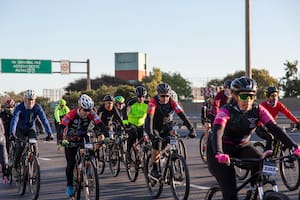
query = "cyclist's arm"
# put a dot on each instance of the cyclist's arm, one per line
(56, 114)
(284, 110)
(14, 121)
(150, 117)
(42, 115)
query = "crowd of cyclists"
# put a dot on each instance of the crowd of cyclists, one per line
(229, 119)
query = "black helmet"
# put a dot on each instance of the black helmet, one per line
(163, 88)
(243, 84)
(140, 91)
(108, 98)
(227, 84)
(270, 90)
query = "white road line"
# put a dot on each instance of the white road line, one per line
(199, 187)
(45, 158)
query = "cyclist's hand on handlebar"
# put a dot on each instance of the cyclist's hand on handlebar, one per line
(64, 142)
(223, 158)
(297, 152)
(49, 137)
(192, 133)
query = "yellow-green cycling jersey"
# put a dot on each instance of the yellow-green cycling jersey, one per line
(59, 112)
(137, 112)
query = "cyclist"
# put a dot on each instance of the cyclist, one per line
(74, 126)
(23, 122)
(137, 112)
(108, 112)
(59, 112)
(121, 106)
(158, 124)
(6, 116)
(3, 154)
(231, 133)
(221, 97)
(274, 107)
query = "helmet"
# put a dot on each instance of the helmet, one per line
(119, 99)
(108, 98)
(140, 91)
(86, 102)
(163, 88)
(243, 84)
(270, 90)
(174, 95)
(29, 94)
(62, 102)
(10, 103)
(227, 84)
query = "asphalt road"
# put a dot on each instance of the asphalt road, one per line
(53, 183)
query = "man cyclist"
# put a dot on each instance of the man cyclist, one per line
(274, 107)
(6, 116)
(158, 124)
(137, 112)
(231, 132)
(23, 122)
(121, 106)
(74, 126)
(59, 112)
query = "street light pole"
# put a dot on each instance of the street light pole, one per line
(248, 46)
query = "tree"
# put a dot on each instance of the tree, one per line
(261, 76)
(152, 81)
(290, 83)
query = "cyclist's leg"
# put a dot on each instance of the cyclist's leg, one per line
(20, 144)
(155, 155)
(70, 154)
(225, 175)
(132, 136)
(140, 132)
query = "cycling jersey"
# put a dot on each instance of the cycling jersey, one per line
(279, 108)
(24, 119)
(59, 112)
(137, 113)
(108, 116)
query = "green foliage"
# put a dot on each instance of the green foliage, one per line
(290, 83)
(126, 91)
(152, 81)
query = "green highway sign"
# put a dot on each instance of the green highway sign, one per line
(26, 66)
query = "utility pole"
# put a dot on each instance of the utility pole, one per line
(248, 46)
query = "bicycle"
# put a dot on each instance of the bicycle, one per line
(28, 169)
(181, 147)
(139, 153)
(289, 168)
(203, 146)
(174, 171)
(85, 176)
(266, 175)
(11, 158)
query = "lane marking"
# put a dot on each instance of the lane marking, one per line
(44, 158)
(199, 187)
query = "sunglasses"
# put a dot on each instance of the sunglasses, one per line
(86, 110)
(142, 96)
(245, 97)
(164, 96)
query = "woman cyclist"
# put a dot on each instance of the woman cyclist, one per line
(231, 133)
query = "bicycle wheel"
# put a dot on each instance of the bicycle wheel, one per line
(90, 182)
(179, 177)
(272, 195)
(214, 193)
(259, 146)
(202, 147)
(290, 170)
(181, 148)
(114, 160)
(100, 161)
(155, 186)
(240, 173)
(132, 168)
(34, 177)
(21, 177)
(11, 151)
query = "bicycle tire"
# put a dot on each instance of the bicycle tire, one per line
(240, 173)
(214, 193)
(114, 160)
(290, 171)
(77, 176)
(182, 149)
(11, 150)
(272, 195)
(259, 146)
(132, 169)
(22, 177)
(179, 176)
(155, 187)
(34, 177)
(100, 160)
(90, 181)
(202, 148)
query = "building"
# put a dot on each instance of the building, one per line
(130, 66)
(53, 94)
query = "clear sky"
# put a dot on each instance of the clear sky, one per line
(200, 39)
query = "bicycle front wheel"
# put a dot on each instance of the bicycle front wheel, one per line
(21, 180)
(181, 148)
(214, 193)
(272, 195)
(114, 160)
(34, 178)
(202, 147)
(90, 182)
(290, 171)
(180, 177)
(132, 168)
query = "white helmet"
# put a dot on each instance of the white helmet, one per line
(86, 102)
(29, 94)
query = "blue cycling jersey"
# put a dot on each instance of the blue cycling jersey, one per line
(24, 119)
